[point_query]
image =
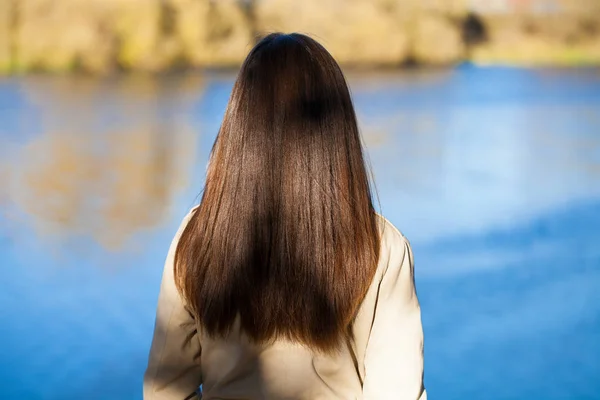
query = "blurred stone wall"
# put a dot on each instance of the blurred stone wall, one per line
(5, 34)
(152, 35)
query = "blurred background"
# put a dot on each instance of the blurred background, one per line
(482, 123)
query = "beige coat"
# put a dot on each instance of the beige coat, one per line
(387, 347)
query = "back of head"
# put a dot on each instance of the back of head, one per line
(285, 237)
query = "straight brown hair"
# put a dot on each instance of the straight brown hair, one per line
(285, 237)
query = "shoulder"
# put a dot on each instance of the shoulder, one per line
(182, 225)
(390, 235)
(187, 218)
(395, 249)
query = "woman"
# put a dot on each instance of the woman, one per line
(284, 283)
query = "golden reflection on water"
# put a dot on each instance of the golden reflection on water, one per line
(379, 132)
(576, 151)
(100, 172)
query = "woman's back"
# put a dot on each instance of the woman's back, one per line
(382, 360)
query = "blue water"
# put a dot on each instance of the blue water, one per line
(493, 174)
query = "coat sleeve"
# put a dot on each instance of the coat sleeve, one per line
(173, 370)
(394, 354)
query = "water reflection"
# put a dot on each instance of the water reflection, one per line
(109, 160)
(106, 158)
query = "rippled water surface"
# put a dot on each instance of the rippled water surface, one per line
(493, 174)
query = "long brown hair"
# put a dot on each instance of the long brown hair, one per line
(286, 236)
